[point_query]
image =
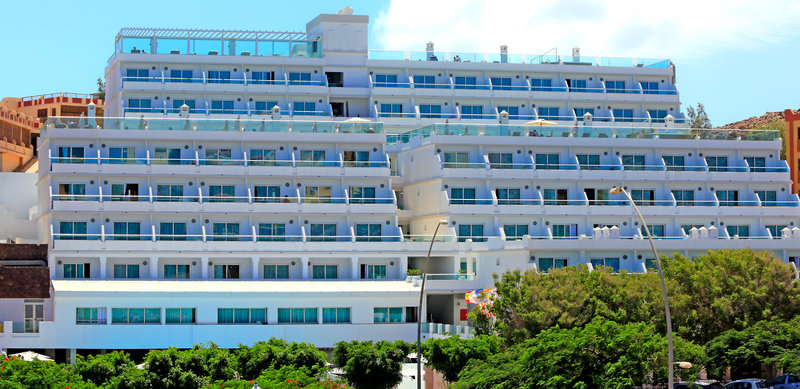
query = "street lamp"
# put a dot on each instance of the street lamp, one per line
(419, 307)
(618, 190)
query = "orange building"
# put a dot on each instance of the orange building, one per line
(22, 118)
(792, 119)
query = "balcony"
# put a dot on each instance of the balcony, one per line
(227, 125)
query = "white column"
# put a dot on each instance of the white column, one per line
(403, 267)
(103, 271)
(153, 268)
(354, 273)
(71, 356)
(304, 267)
(255, 267)
(204, 267)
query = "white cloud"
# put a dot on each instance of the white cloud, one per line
(674, 29)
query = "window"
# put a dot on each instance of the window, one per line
(318, 194)
(633, 162)
(219, 77)
(687, 228)
(577, 85)
(508, 196)
(501, 83)
(176, 75)
(68, 154)
(513, 112)
(165, 156)
(178, 103)
(172, 231)
(589, 161)
(266, 194)
(298, 315)
(427, 111)
(643, 197)
(262, 78)
(388, 315)
(312, 158)
(276, 272)
(322, 232)
(297, 78)
(615, 86)
(362, 195)
(768, 198)
(72, 231)
(657, 115)
(675, 163)
(657, 230)
(386, 80)
(180, 316)
(411, 314)
(564, 231)
(547, 162)
(121, 155)
(611, 263)
(548, 113)
(71, 192)
(242, 315)
(125, 192)
(224, 272)
(138, 105)
(324, 272)
(127, 231)
(424, 82)
(775, 230)
(135, 315)
(359, 158)
(264, 107)
(650, 264)
(271, 232)
(168, 192)
(462, 196)
(717, 164)
(515, 231)
(335, 315)
(545, 264)
(373, 272)
(757, 164)
(456, 160)
(597, 196)
(90, 316)
(555, 197)
(221, 106)
(391, 111)
(541, 84)
(580, 112)
(262, 157)
(77, 270)
(175, 272)
(623, 115)
(463, 82)
(472, 111)
(501, 160)
(740, 231)
(218, 156)
(728, 198)
(683, 197)
(303, 108)
(471, 231)
(649, 87)
(368, 232)
(136, 75)
(126, 271)
(225, 231)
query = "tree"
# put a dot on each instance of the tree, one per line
(369, 365)
(698, 118)
(101, 89)
(275, 354)
(765, 343)
(778, 125)
(449, 356)
(101, 369)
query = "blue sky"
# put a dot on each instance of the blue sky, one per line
(738, 58)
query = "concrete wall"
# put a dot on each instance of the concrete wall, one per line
(17, 196)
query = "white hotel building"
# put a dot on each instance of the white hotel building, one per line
(197, 211)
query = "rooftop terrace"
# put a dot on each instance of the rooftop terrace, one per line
(534, 59)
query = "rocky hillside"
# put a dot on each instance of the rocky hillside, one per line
(755, 121)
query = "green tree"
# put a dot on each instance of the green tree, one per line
(369, 365)
(101, 89)
(15, 373)
(449, 355)
(698, 118)
(766, 342)
(101, 369)
(778, 125)
(275, 354)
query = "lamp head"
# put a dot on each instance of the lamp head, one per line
(616, 190)
(443, 222)
(684, 365)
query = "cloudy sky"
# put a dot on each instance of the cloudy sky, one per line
(739, 58)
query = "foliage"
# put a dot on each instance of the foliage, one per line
(369, 365)
(766, 342)
(601, 354)
(15, 373)
(286, 377)
(414, 272)
(101, 89)
(449, 356)
(101, 369)
(698, 118)
(276, 354)
(778, 125)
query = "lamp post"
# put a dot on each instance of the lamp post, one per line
(670, 356)
(419, 307)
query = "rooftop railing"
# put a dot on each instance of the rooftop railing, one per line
(62, 94)
(232, 125)
(534, 59)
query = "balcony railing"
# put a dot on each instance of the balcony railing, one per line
(450, 277)
(443, 330)
(208, 124)
(25, 327)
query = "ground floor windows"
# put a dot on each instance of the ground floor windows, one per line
(90, 316)
(335, 315)
(135, 315)
(297, 316)
(180, 316)
(611, 263)
(388, 314)
(545, 264)
(77, 270)
(242, 315)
